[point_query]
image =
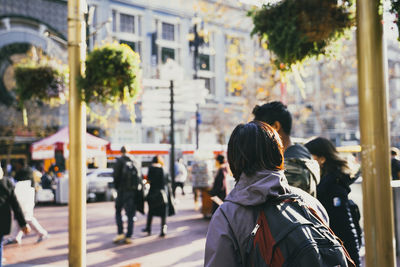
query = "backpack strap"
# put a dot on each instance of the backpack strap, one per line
(348, 258)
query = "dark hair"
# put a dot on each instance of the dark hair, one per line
(21, 161)
(157, 159)
(272, 112)
(220, 158)
(123, 149)
(393, 151)
(253, 147)
(322, 147)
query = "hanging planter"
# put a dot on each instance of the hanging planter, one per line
(39, 79)
(112, 75)
(38, 82)
(295, 29)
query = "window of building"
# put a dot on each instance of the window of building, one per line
(234, 65)
(131, 44)
(167, 53)
(126, 28)
(168, 31)
(208, 84)
(127, 23)
(204, 62)
(165, 42)
(114, 20)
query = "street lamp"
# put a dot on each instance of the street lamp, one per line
(195, 41)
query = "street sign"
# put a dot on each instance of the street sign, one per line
(156, 96)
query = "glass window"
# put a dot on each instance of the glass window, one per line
(204, 62)
(114, 20)
(167, 53)
(207, 84)
(168, 31)
(127, 23)
(234, 87)
(131, 44)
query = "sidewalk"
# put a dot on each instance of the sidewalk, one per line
(183, 245)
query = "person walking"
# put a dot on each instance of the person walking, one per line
(8, 203)
(219, 186)
(127, 179)
(157, 198)
(301, 170)
(25, 193)
(333, 191)
(180, 176)
(395, 163)
(255, 156)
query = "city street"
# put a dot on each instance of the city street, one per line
(183, 245)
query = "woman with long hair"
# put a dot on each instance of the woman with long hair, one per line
(157, 197)
(333, 191)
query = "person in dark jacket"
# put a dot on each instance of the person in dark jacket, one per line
(219, 186)
(8, 202)
(395, 163)
(277, 115)
(333, 191)
(126, 198)
(255, 156)
(157, 197)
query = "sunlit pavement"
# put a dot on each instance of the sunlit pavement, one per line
(183, 245)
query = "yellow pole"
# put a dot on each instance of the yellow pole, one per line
(373, 103)
(77, 138)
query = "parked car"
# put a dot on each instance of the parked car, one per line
(100, 184)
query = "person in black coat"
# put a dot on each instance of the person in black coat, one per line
(332, 192)
(8, 202)
(219, 186)
(157, 197)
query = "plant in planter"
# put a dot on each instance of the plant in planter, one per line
(40, 79)
(295, 29)
(112, 77)
(38, 82)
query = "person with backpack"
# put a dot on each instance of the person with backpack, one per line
(333, 191)
(262, 222)
(127, 182)
(300, 169)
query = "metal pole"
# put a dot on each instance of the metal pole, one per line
(195, 66)
(77, 141)
(172, 133)
(373, 103)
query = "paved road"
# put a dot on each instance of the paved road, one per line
(183, 245)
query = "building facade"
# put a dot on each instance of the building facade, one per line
(234, 67)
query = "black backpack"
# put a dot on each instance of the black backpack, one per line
(288, 233)
(130, 179)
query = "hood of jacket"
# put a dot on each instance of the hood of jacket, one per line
(258, 188)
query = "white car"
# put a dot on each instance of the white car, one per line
(99, 184)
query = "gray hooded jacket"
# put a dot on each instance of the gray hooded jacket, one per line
(233, 222)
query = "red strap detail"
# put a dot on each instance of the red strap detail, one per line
(266, 242)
